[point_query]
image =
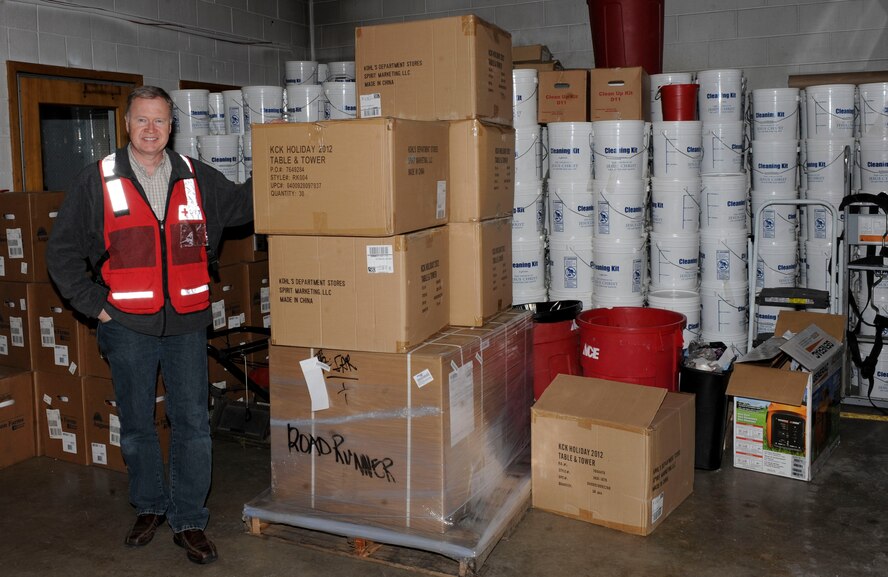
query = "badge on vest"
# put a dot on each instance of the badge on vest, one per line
(192, 235)
(190, 212)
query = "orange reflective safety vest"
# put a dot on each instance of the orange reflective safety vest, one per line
(142, 252)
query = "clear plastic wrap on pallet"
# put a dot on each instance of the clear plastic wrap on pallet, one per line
(414, 445)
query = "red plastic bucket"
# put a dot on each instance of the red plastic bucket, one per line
(627, 33)
(632, 345)
(679, 102)
(556, 341)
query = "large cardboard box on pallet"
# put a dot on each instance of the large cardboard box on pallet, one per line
(55, 341)
(480, 270)
(61, 430)
(370, 294)
(416, 439)
(613, 454)
(27, 221)
(15, 332)
(18, 428)
(619, 94)
(375, 177)
(434, 69)
(482, 170)
(786, 420)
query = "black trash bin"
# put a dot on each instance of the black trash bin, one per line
(711, 413)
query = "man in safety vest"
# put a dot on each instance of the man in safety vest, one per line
(147, 221)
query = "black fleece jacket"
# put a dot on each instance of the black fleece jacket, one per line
(77, 238)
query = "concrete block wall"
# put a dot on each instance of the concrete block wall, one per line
(237, 42)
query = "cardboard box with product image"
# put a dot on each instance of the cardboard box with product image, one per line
(787, 396)
(613, 454)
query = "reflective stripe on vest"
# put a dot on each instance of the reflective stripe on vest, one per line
(195, 291)
(132, 295)
(115, 188)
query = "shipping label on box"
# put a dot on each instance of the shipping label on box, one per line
(402, 440)
(17, 416)
(15, 333)
(55, 340)
(563, 96)
(435, 69)
(613, 454)
(480, 270)
(619, 94)
(373, 294)
(482, 170)
(375, 177)
(786, 418)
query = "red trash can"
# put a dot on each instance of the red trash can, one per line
(627, 33)
(556, 341)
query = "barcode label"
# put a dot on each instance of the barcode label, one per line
(99, 454)
(441, 201)
(657, 507)
(218, 315)
(14, 243)
(61, 355)
(47, 333)
(69, 443)
(371, 105)
(266, 322)
(54, 422)
(264, 300)
(16, 331)
(234, 322)
(4, 346)
(2, 266)
(114, 430)
(380, 259)
(798, 468)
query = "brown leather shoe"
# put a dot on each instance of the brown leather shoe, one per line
(143, 529)
(198, 548)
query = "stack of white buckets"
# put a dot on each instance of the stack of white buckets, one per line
(528, 209)
(198, 133)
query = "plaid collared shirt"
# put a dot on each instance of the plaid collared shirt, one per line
(157, 185)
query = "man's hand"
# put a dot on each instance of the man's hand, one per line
(104, 317)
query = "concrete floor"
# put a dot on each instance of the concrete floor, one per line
(62, 519)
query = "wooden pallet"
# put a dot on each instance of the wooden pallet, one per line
(426, 562)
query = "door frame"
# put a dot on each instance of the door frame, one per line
(15, 70)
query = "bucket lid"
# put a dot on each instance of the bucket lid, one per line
(553, 311)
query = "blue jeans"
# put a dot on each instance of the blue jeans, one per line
(182, 359)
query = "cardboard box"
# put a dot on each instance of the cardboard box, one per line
(258, 293)
(531, 53)
(613, 454)
(619, 94)
(229, 298)
(408, 440)
(18, 441)
(102, 424)
(241, 244)
(15, 332)
(563, 96)
(370, 294)
(374, 177)
(435, 69)
(55, 345)
(786, 422)
(92, 363)
(61, 431)
(482, 170)
(27, 219)
(480, 270)
(539, 66)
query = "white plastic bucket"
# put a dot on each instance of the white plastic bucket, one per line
(657, 81)
(221, 152)
(766, 318)
(620, 208)
(570, 151)
(323, 72)
(262, 104)
(737, 343)
(818, 220)
(528, 154)
(216, 106)
(300, 72)
(775, 114)
(675, 205)
(528, 211)
(830, 111)
(587, 298)
(723, 147)
(571, 211)
(777, 265)
(234, 111)
(803, 114)
(873, 163)
(724, 257)
(618, 147)
(778, 222)
(528, 266)
(610, 301)
(520, 298)
(723, 201)
(570, 266)
(524, 97)
(719, 98)
(246, 158)
(775, 165)
(817, 265)
(343, 71)
(186, 144)
(678, 149)
(191, 111)
(873, 99)
(341, 103)
(880, 377)
(620, 266)
(680, 301)
(305, 102)
(824, 164)
(724, 309)
(675, 260)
